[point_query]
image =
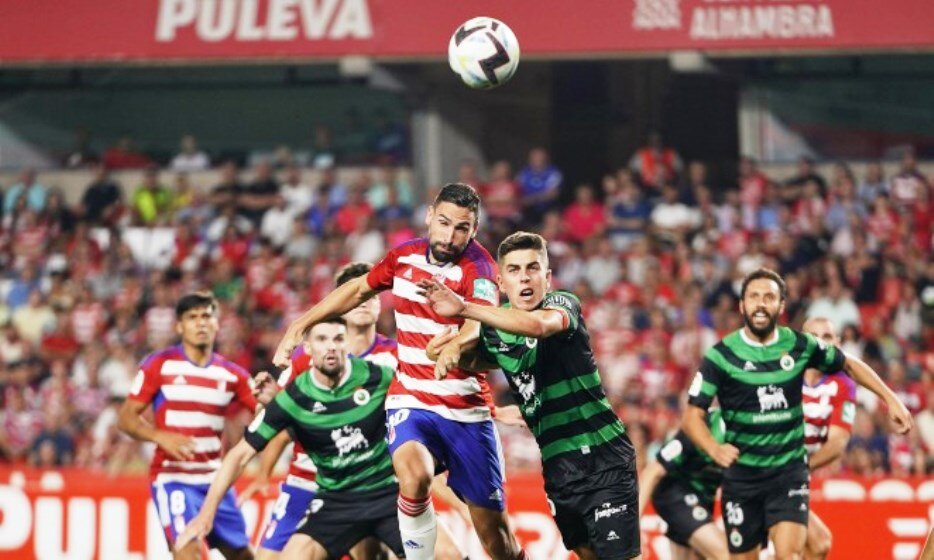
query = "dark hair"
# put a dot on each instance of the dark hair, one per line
(338, 320)
(350, 271)
(195, 300)
(461, 195)
(768, 274)
(522, 240)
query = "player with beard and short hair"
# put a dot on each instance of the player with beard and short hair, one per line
(190, 389)
(829, 411)
(442, 422)
(757, 374)
(335, 411)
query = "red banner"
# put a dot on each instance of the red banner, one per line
(76, 515)
(184, 30)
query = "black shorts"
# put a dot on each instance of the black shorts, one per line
(605, 519)
(339, 520)
(751, 507)
(681, 509)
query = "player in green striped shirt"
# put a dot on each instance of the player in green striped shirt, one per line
(756, 373)
(335, 410)
(540, 341)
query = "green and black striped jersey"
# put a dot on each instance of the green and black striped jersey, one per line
(759, 389)
(343, 430)
(687, 465)
(557, 386)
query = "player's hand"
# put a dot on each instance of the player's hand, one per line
(510, 415)
(725, 455)
(260, 485)
(442, 299)
(197, 528)
(265, 388)
(436, 344)
(899, 415)
(287, 345)
(447, 360)
(177, 446)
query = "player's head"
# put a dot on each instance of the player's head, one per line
(364, 315)
(196, 319)
(523, 269)
(452, 221)
(762, 300)
(325, 343)
(822, 328)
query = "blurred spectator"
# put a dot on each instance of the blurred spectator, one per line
(190, 158)
(655, 164)
(672, 219)
(602, 268)
(329, 183)
(585, 217)
(873, 183)
(298, 195)
(628, 213)
(388, 179)
(58, 341)
(323, 153)
(260, 195)
(357, 211)
(34, 318)
(152, 200)
(54, 446)
(541, 185)
(123, 155)
(391, 141)
(277, 223)
(501, 197)
(753, 185)
(835, 304)
(81, 154)
(909, 186)
(925, 422)
(29, 188)
(806, 173)
(229, 189)
(468, 174)
(21, 424)
(100, 203)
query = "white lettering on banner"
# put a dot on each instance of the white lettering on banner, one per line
(50, 539)
(761, 22)
(264, 20)
(15, 518)
(114, 535)
(656, 14)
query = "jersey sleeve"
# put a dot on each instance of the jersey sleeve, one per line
(148, 380)
(844, 404)
(705, 385)
(569, 306)
(479, 285)
(671, 455)
(825, 357)
(380, 276)
(267, 423)
(244, 391)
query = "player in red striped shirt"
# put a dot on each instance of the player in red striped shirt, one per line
(190, 389)
(434, 422)
(829, 402)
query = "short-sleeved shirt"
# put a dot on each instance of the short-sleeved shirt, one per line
(759, 389)
(343, 430)
(191, 400)
(462, 396)
(557, 385)
(686, 464)
(829, 402)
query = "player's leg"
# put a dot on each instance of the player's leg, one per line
(446, 548)
(368, 549)
(710, 542)
(819, 538)
(787, 503)
(743, 506)
(789, 538)
(228, 535)
(492, 527)
(288, 513)
(610, 509)
(303, 547)
(680, 552)
(177, 504)
(928, 552)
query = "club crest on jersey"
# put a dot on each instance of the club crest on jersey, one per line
(786, 362)
(771, 398)
(699, 513)
(531, 342)
(361, 396)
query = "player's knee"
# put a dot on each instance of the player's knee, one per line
(414, 471)
(497, 539)
(820, 547)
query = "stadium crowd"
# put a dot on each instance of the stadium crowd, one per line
(655, 251)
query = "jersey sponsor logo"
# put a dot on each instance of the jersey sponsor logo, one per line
(698, 382)
(608, 510)
(485, 289)
(319, 407)
(771, 398)
(749, 366)
(347, 439)
(786, 362)
(671, 450)
(361, 396)
(849, 412)
(699, 513)
(254, 425)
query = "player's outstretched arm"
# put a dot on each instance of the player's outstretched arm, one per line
(868, 378)
(837, 438)
(451, 348)
(694, 424)
(129, 420)
(649, 478)
(267, 463)
(234, 462)
(344, 298)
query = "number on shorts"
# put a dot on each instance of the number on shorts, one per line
(283, 502)
(734, 513)
(177, 502)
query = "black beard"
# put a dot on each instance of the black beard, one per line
(332, 372)
(453, 256)
(761, 333)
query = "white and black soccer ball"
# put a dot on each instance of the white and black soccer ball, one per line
(484, 52)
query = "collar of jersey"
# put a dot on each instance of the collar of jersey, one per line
(750, 342)
(348, 367)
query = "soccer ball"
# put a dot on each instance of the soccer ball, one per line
(484, 52)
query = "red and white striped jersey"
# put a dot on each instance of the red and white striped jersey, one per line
(829, 402)
(302, 471)
(191, 400)
(463, 396)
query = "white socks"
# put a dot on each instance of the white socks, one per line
(418, 527)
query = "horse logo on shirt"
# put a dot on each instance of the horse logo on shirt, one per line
(771, 398)
(347, 439)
